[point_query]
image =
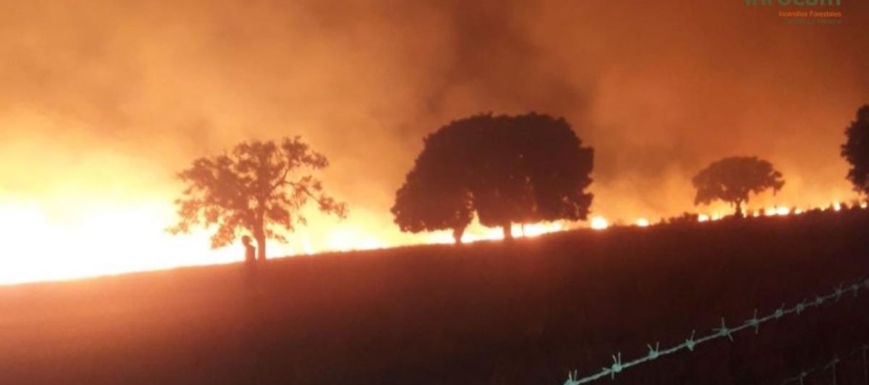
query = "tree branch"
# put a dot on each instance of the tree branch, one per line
(280, 182)
(305, 190)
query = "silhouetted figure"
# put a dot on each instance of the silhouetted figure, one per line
(249, 250)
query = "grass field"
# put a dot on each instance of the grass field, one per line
(485, 313)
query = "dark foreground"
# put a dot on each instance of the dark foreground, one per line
(480, 314)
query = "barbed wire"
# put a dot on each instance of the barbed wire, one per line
(831, 365)
(722, 331)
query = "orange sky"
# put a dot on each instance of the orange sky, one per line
(102, 101)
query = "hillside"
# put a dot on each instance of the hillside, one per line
(485, 313)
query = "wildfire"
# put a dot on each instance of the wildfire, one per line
(599, 223)
(306, 246)
(100, 238)
(109, 240)
(783, 211)
(119, 237)
(348, 239)
(479, 233)
(540, 229)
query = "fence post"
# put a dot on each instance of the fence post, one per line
(833, 366)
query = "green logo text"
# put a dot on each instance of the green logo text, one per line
(798, 3)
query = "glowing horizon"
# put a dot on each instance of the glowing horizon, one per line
(117, 238)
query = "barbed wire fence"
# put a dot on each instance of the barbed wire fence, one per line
(723, 331)
(831, 366)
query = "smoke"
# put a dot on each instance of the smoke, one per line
(104, 98)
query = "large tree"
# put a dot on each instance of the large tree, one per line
(856, 150)
(506, 169)
(435, 195)
(732, 180)
(257, 189)
(556, 166)
(530, 168)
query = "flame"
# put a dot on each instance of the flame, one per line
(44, 243)
(599, 223)
(345, 238)
(477, 233)
(306, 246)
(485, 235)
(540, 229)
(109, 237)
(783, 210)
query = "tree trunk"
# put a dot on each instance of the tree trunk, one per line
(457, 234)
(259, 233)
(739, 210)
(261, 248)
(508, 230)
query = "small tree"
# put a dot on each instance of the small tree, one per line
(256, 189)
(732, 180)
(856, 151)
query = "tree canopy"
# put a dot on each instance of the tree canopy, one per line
(506, 169)
(259, 188)
(732, 179)
(856, 150)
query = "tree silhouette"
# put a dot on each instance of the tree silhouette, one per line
(530, 168)
(557, 167)
(499, 183)
(506, 169)
(254, 189)
(856, 150)
(732, 180)
(426, 207)
(435, 195)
